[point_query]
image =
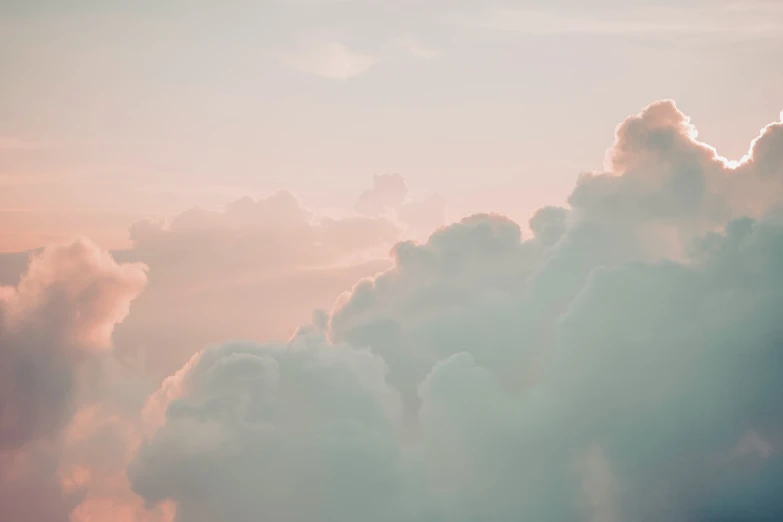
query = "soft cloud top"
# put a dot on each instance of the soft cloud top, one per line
(622, 363)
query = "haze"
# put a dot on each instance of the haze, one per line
(349, 261)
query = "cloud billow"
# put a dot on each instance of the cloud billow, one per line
(623, 363)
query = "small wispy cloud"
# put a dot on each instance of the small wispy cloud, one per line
(332, 60)
(416, 48)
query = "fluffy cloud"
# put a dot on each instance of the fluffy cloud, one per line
(55, 337)
(303, 431)
(271, 233)
(622, 363)
(212, 273)
(57, 319)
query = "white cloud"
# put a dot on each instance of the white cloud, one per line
(333, 60)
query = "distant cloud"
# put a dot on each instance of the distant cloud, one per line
(270, 254)
(332, 60)
(417, 49)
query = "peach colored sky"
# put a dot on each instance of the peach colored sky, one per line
(112, 111)
(352, 260)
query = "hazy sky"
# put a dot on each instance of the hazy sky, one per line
(391, 261)
(132, 108)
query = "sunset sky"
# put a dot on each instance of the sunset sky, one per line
(391, 261)
(110, 111)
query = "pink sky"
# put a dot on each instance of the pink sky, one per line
(110, 114)
(341, 260)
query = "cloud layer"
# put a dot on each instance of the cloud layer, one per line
(621, 363)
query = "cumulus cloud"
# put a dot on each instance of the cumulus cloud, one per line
(272, 232)
(269, 257)
(55, 334)
(303, 431)
(59, 316)
(332, 60)
(623, 361)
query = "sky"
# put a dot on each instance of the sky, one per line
(111, 111)
(340, 261)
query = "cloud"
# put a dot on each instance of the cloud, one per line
(621, 361)
(302, 431)
(332, 60)
(59, 316)
(416, 48)
(269, 257)
(624, 359)
(55, 337)
(274, 232)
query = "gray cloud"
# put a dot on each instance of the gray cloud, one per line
(622, 362)
(303, 431)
